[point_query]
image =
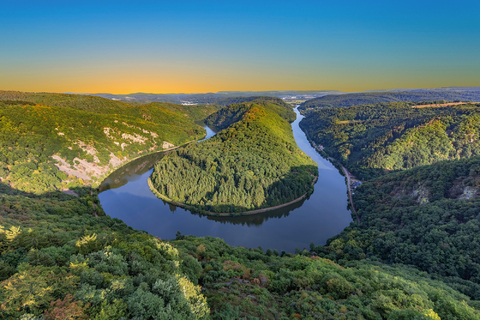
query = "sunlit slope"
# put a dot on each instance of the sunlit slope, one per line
(85, 142)
(225, 117)
(254, 163)
(371, 140)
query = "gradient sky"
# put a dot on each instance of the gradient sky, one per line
(208, 46)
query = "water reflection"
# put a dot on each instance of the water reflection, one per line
(130, 172)
(136, 168)
(125, 195)
(249, 220)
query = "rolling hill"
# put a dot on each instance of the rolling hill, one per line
(355, 99)
(252, 164)
(55, 141)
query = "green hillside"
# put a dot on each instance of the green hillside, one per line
(427, 217)
(62, 258)
(418, 204)
(58, 260)
(371, 140)
(254, 163)
(86, 137)
(355, 99)
(225, 117)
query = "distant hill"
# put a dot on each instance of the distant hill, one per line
(355, 99)
(228, 101)
(210, 97)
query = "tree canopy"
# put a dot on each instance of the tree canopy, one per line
(253, 163)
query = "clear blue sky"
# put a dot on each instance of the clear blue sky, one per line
(199, 46)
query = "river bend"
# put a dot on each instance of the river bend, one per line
(125, 195)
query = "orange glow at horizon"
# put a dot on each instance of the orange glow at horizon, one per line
(195, 81)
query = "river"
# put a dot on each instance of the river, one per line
(125, 195)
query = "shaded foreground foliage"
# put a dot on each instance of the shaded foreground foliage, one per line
(60, 262)
(428, 217)
(254, 163)
(243, 283)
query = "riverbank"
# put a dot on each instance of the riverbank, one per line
(347, 174)
(317, 217)
(224, 214)
(97, 183)
(337, 164)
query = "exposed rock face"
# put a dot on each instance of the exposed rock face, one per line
(134, 138)
(88, 149)
(85, 170)
(263, 280)
(465, 188)
(421, 194)
(469, 193)
(167, 145)
(116, 134)
(82, 169)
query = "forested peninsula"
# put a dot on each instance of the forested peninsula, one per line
(252, 164)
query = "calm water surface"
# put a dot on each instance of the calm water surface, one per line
(125, 195)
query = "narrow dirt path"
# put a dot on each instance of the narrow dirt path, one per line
(347, 174)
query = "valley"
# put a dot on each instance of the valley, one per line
(239, 160)
(105, 248)
(288, 229)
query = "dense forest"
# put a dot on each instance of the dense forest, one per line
(252, 164)
(59, 261)
(371, 140)
(355, 99)
(419, 202)
(225, 117)
(242, 283)
(414, 255)
(427, 216)
(87, 136)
